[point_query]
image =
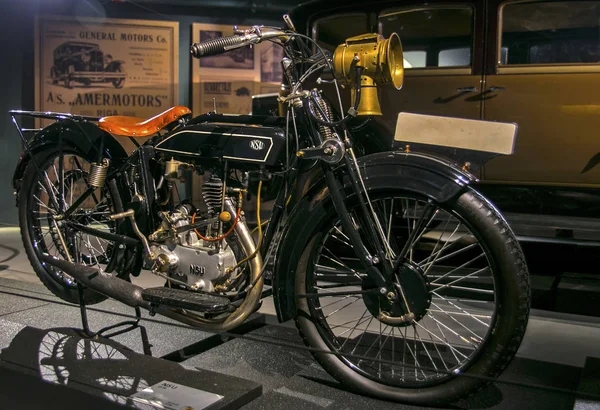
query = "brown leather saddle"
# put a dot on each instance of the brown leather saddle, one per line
(139, 127)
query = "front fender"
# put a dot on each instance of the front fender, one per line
(83, 137)
(419, 173)
(113, 65)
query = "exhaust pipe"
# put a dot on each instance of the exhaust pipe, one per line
(127, 293)
(131, 295)
(95, 279)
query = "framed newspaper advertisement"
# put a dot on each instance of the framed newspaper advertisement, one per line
(101, 67)
(228, 81)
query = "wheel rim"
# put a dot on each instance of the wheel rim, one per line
(454, 318)
(83, 248)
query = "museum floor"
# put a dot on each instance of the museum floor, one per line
(44, 363)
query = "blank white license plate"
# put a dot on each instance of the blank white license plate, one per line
(478, 135)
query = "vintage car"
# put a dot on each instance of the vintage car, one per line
(85, 63)
(534, 63)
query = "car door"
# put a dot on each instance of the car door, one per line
(544, 75)
(443, 58)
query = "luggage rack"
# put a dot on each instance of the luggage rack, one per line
(50, 115)
(47, 115)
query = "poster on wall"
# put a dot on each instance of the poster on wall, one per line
(228, 81)
(100, 67)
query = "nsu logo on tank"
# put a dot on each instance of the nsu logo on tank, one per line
(257, 145)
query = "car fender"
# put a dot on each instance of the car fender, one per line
(113, 65)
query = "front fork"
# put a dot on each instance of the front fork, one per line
(371, 263)
(380, 268)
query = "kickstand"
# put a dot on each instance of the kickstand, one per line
(127, 325)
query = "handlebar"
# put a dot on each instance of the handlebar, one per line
(217, 46)
(221, 45)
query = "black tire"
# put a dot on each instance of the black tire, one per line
(54, 75)
(491, 353)
(68, 77)
(119, 82)
(32, 220)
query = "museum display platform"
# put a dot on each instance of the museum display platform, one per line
(46, 362)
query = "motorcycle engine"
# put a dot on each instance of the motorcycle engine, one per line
(184, 256)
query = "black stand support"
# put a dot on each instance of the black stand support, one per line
(127, 326)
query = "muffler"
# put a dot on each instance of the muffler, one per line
(179, 305)
(101, 282)
(167, 302)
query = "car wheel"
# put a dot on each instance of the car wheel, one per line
(68, 77)
(118, 82)
(54, 75)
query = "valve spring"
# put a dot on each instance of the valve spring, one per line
(212, 192)
(98, 172)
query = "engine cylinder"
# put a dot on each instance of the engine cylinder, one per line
(212, 192)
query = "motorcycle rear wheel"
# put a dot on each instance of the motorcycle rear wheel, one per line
(39, 232)
(465, 280)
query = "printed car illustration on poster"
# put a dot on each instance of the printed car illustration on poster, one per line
(85, 63)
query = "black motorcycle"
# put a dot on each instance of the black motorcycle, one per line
(405, 282)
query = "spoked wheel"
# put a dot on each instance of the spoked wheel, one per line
(44, 198)
(118, 82)
(458, 303)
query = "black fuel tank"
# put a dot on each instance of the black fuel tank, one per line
(237, 138)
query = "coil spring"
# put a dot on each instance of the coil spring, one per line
(212, 192)
(98, 172)
(133, 174)
(325, 131)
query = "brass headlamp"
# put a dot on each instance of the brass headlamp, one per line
(380, 61)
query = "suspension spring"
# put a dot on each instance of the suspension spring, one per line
(326, 132)
(98, 173)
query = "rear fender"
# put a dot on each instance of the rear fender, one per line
(83, 137)
(422, 174)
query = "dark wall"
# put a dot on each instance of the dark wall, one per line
(16, 56)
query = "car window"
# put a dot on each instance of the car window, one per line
(550, 32)
(432, 37)
(332, 31)
(415, 58)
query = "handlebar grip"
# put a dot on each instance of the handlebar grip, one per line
(216, 46)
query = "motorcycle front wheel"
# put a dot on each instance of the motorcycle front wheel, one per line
(464, 279)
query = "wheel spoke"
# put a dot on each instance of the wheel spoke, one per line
(337, 301)
(428, 240)
(477, 337)
(476, 317)
(464, 265)
(343, 307)
(418, 229)
(66, 178)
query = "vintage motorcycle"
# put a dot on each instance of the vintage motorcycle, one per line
(404, 281)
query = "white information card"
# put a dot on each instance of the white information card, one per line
(172, 396)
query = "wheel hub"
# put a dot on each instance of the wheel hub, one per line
(415, 285)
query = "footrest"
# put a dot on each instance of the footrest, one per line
(202, 302)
